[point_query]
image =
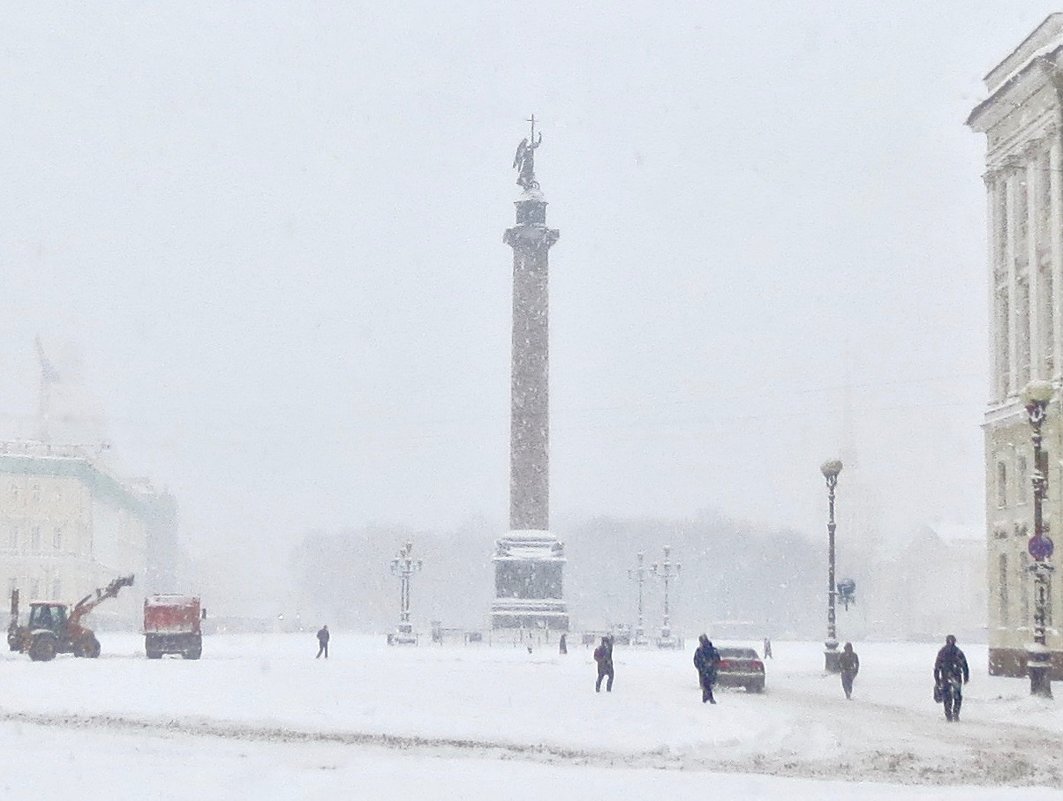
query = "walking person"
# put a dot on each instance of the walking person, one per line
(849, 663)
(767, 649)
(322, 642)
(950, 674)
(706, 660)
(603, 655)
(562, 647)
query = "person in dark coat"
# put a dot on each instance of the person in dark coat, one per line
(767, 649)
(706, 660)
(562, 647)
(603, 655)
(322, 641)
(950, 674)
(849, 663)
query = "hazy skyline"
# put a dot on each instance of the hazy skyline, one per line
(273, 233)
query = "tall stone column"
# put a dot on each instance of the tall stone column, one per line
(529, 559)
(529, 438)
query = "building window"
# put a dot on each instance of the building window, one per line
(1002, 485)
(1021, 477)
(57, 588)
(1046, 321)
(35, 496)
(57, 538)
(1022, 329)
(1002, 590)
(1022, 222)
(1003, 343)
(35, 589)
(35, 538)
(1048, 600)
(1002, 226)
(1024, 588)
(1044, 197)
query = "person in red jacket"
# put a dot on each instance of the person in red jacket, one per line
(603, 655)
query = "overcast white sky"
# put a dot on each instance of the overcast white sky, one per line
(274, 234)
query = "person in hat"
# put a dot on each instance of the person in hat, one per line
(950, 674)
(603, 655)
(706, 660)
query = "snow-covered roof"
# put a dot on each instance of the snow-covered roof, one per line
(1045, 38)
(171, 600)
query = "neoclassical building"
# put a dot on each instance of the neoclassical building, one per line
(68, 526)
(1022, 118)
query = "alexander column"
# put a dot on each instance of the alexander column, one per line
(529, 560)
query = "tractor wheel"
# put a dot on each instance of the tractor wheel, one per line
(43, 648)
(153, 654)
(89, 648)
(192, 653)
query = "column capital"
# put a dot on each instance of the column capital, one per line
(531, 237)
(1011, 164)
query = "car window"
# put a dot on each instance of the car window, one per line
(739, 653)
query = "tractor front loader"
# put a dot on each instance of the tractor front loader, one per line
(55, 628)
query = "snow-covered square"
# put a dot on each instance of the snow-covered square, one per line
(261, 717)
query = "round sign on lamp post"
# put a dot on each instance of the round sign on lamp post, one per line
(1040, 547)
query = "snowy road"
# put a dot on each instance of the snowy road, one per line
(262, 708)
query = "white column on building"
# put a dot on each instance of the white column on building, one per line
(1012, 186)
(993, 189)
(1033, 271)
(1056, 243)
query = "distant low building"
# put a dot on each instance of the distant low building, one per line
(68, 526)
(1024, 185)
(931, 586)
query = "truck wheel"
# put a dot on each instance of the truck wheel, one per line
(154, 654)
(88, 648)
(192, 653)
(43, 648)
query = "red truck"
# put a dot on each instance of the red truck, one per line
(171, 626)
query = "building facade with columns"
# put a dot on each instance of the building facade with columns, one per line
(68, 526)
(1022, 118)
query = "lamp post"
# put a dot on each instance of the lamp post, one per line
(830, 470)
(667, 571)
(638, 575)
(1036, 395)
(404, 566)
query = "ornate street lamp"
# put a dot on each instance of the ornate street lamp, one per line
(667, 571)
(830, 470)
(638, 575)
(1036, 395)
(404, 566)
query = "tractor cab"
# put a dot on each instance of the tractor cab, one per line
(47, 616)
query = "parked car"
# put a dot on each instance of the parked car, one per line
(740, 667)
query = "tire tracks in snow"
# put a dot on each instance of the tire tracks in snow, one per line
(935, 756)
(936, 752)
(198, 727)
